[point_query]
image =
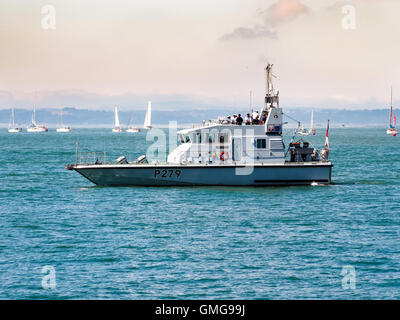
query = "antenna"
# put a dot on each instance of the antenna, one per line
(251, 101)
(271, 97)
(391, 106)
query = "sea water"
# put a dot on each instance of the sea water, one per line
(61, 237)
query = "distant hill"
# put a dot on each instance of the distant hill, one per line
(92, 118)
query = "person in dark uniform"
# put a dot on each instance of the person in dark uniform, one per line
(239, 120)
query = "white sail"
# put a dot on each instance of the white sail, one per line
(312, 121)
(147, 119)
(312, 129)
(34, 116)
(116, 121)
(392, 126)
(117, 126)
(12, 123)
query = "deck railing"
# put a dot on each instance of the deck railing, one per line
(91, 158)
(86, 158)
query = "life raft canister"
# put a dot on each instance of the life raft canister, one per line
(224, 156)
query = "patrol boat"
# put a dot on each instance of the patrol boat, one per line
(219, 153)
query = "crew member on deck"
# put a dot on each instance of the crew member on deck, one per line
(255, 115)
(247, 119)
(239, 120)
(234, 119)
(263, 118)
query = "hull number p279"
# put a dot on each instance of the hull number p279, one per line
(167, 173)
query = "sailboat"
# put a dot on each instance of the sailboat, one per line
(63, 128)
(312, 129)
(11, 127)
(303, 131)
(392, 127)
(34, 127)
(132, 128)
(117, 126)
(147, 119)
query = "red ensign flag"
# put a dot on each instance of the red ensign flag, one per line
(327, 138)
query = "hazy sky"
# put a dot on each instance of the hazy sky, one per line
(200, 53)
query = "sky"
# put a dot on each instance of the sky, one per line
(198, 54)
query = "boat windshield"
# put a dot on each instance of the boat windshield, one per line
(185, 138)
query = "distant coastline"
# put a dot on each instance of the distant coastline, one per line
(83, 118)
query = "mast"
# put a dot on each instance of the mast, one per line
(61, 118)
(131, 120)
(116, 120)
(147, 119)
(251, 101)
(34, 115)
(312, 121)
(149, 113)
(271, 96)
(271, 111)
(12, 118)
(391, 106)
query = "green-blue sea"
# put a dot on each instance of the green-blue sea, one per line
(314, 242)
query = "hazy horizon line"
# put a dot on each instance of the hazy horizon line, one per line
(163, 109)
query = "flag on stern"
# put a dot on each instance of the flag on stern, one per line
(327, 138)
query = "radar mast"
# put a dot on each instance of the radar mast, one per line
(271, 96)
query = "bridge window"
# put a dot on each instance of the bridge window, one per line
(261, 143)
(206, 138)
(197, 137)
(223, 138)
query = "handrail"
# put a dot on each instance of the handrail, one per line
(91, 158)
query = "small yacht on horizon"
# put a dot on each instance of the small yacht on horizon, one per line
(131, 127)
(392, 122)
(34, 127)
(304, 132)
(12, 128)
(62, 128)
(117, 127)
(147, 119)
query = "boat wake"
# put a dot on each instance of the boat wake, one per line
(362, 182)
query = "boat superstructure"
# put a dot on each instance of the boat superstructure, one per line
(221, 153)
(117, 126)
(147, 119)
(392, 120)
(34, 127)
(12, 128)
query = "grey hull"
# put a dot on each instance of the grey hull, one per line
(210, 175)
